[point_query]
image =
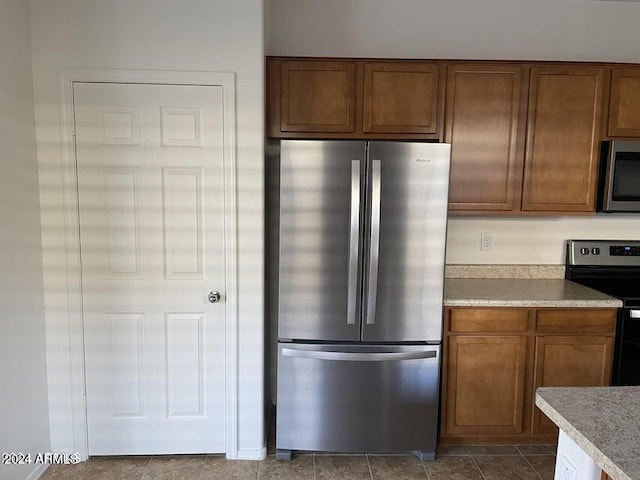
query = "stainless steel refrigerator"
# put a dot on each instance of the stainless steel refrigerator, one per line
(357, 241)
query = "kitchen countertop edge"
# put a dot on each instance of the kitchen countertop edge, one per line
(531, 293)
(524, 303)
(606, 463)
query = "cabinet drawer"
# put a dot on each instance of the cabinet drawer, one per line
(576, 321)
(489, 320)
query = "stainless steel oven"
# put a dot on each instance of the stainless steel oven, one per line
(619, 186)
(613, 267)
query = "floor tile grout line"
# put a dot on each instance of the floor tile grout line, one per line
(540, 454)
(425, 470)
(522, 454)
(478, 467)
(314, 466)
(369, 465)
(528, 462)
(532, 454)
(532, 467)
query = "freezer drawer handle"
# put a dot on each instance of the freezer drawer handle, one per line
(354, 235)
(358, 357)
(634, 313)
(374, 245)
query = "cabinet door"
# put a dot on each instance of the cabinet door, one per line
(485, 125)
(317, 96)
(570, 361)
(401, 98)
(485, 384)
(563, 134)
(624, 106)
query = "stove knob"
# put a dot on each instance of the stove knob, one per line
(584, 251)
(595, 251)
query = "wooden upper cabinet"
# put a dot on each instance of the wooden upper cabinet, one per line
(563, 138)
(484, 122)
(624, 104)
(401, 97)
(525, 136)
(343, 98)
(317, 96)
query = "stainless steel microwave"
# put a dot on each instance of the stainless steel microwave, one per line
(619, 186)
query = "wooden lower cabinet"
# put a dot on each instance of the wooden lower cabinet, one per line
(485, 388)
(570, 361)
(495, 358)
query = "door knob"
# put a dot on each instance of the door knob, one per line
(214, 297)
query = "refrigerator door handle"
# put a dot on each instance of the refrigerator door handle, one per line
(358, 357)
(354, 239)
(374, 245)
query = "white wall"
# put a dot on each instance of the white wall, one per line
(24, 422)
(468, 29)
(578, 30)
(206, 35)
(532, 240)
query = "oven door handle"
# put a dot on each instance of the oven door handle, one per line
(634, 313)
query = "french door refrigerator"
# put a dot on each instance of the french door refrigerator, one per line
(357, 235)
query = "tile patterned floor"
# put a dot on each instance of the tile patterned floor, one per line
(499, 462)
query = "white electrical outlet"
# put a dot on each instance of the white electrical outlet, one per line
(567, 470)
(486, 241)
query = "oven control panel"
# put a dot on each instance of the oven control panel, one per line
(628, 250)
(603, 252)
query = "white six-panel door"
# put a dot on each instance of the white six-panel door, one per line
(151, 201)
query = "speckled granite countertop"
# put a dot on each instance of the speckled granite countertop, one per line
(500, 292)
(603, 421)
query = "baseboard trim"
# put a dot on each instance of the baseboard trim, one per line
(38, 471)
(252, 454)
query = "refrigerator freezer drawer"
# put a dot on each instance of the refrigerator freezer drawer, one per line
(357, 398)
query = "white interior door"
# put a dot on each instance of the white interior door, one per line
(151, 201)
